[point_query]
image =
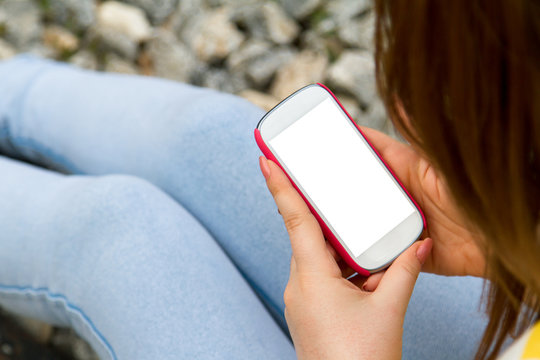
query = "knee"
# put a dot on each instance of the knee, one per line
(110, 209)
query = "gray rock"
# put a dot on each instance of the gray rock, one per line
(262, 69)
(351, 105)
(375, 117)
(69, 343)
(156, 10)
(186, 10)
(76, 15)
(84, 59)
(222, 80)
(354, 74)
(123, 19)
(343, 10)
(6, 50)
(359, 32)
(212, 36)
(267, 20)
(300, 9)
(247, 52)
(171, 59)
(306, 68)
(116, 64)
(21, 23)
(108, 40)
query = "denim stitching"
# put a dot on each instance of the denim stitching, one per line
(22, 290)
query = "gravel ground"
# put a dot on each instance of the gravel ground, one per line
(260, 50)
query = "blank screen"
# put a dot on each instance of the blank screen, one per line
(341, 175)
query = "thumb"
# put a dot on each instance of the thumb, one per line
(398, 282)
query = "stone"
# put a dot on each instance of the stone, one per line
(267, 20)
(185, 11)
(21, 22)
(300, 9)
(107, 40)
(76, 15)
(116, 64)
(6, 50)
(41, 50)
(351, 105)
(171, 59)
(247, 52)
(60, 39)
(375, 117)
(354, 74)
(212, 36)
(262, 100)
(359, 32)
(262, 69)
(156, 10)
(123, 19)
(222, 80)
(84, 59)
(69, 343)
(342, 10)
(306, 68)
(39, 331)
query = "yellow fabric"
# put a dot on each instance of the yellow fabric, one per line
(532, 348)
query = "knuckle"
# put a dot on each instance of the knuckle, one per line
(295, 220)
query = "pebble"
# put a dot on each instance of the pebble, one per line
(156, 10)
(116, 64)
(20, 20)
(306, 68)
(84, 59)
(6, 50)
(269, 21)
(212, 36)
(351, 105)
(300, 9)
(342, 10)
(222, 80)
(354, 74)
(359, 32)
(171, 58)
(376, 116)
(60, 39)
(124, 19)
(262, 100)
(261, 70)
(247, 52)
(76, 15)
(108, 40)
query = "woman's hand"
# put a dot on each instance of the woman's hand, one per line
(329, 316)
(454, 246)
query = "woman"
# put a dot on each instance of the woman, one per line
(461, 81)
(186, 256)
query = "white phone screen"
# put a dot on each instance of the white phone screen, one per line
(346, 182)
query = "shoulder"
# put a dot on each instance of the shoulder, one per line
(526, 347)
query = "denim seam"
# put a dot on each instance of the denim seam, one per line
(24, 290)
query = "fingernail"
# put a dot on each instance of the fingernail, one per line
(265, 169)
(423, 251)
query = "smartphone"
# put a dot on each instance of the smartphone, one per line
(363, 209)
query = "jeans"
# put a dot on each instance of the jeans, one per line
(132, 209)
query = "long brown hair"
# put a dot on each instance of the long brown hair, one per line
(467, 75)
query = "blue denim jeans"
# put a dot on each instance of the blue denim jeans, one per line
(132, 210)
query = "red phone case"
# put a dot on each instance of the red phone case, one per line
(326, 230)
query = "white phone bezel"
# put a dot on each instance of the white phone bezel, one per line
(386, 249)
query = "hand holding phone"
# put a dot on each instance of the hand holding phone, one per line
(328, 316)
(362, 209)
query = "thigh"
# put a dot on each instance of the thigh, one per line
(444, 319)
(127, 267)
(195, 144)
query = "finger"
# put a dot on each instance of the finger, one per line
(373, 281)
(398, 282)
(307, 240)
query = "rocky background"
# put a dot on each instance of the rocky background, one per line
(260, 50)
